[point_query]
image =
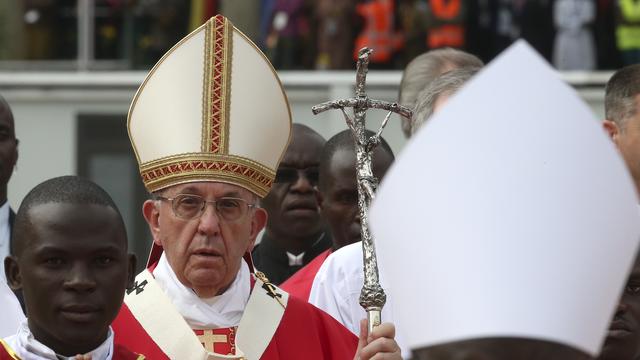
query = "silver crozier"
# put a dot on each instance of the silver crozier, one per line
(372, 296)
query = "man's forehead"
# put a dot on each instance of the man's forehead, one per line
(209, 188)
(342, 169)
(72, 222)
(302, 152)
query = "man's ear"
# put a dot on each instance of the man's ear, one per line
(12, 272)
(612, 129)
(320, 200)
(131, 269)
(152, 216)
(258, 223)
(16, 154)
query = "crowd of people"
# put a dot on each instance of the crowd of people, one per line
(326, 34)
(218, 173)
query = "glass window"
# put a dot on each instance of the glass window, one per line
(38, 30)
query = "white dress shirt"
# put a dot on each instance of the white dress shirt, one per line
(336, 290)
(11, 311)
(28, 348)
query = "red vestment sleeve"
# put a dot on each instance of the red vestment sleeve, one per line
(6, 353)
(130, 334)
(306, 332)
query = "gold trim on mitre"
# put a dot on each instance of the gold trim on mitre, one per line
(186, 168)
(216, 85)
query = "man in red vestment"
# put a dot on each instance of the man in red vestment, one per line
(209, 126)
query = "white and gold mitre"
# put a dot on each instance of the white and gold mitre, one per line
(212, 109)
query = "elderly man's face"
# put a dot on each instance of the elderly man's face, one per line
(623, 337)
(205, 252)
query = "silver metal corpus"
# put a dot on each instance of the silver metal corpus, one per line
(372, 296)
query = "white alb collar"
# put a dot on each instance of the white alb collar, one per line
(220, 311)
(28, 348)
(4, 212)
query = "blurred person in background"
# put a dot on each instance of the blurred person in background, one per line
(622, 123)
(422, 70)
(295, 233)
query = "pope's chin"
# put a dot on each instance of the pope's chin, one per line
(208, 281)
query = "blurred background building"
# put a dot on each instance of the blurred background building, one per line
(69, 68)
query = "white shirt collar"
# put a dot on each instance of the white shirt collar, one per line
(4, 212)
(28, 348)
(220, 311)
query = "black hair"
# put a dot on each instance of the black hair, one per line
(63, 189)
(620, 93)
(339, 141)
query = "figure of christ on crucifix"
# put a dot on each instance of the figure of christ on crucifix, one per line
(372, 297)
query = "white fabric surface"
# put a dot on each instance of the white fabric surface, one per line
(336, 290)
(521, 230)
(217, 312)
(12, 314)
(28, 348)
(5, 234)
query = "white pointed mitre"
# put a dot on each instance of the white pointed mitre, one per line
(509, 214)
(212, 109)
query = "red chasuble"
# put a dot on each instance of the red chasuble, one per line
(6, 353)
(300, 283)
(119, 353)
(273, 326)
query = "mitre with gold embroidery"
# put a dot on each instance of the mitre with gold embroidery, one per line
(212, 109)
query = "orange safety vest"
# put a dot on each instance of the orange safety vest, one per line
(450, 34)
(378, 33)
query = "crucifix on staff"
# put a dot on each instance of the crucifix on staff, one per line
(372, 296)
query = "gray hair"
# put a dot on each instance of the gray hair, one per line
(424, 69)
(620, 93)
(446, 84)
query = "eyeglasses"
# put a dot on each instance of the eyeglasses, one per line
(188, 206)
(291, 175)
